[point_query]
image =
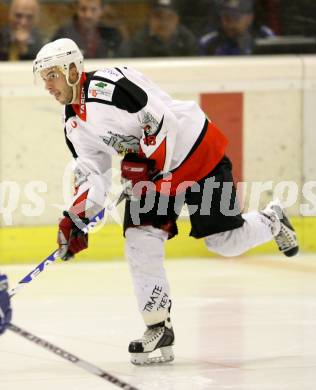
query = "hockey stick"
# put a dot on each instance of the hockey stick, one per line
(51, 347)
(50, 259)
(71, 358)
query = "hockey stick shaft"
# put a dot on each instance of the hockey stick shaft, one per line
(49, 260)
(71, 358)
(53, 256)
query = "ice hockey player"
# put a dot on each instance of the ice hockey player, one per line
(5, 305)
(176, 150)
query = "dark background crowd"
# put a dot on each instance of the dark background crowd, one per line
(159, 28)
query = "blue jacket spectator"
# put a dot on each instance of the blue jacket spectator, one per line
(237, 31)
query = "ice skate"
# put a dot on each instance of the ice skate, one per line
(281, 228)
(156, 337)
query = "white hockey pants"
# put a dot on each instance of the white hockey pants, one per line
(255, 231)
(144, 250)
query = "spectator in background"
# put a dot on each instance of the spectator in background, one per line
(163, 36)
(199, 17)
(112, 19)
(20, 40)
(237, 30)
(95, 39)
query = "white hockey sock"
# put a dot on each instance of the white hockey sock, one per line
(255, 231)
(144, 250)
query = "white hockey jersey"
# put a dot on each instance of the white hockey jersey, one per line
(121, 110)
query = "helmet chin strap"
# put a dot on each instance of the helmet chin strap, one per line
(74, 93)
(73, 86)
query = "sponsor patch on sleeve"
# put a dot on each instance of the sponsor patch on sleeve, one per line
(100, 90)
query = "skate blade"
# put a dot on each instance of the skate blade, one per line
(143, 359)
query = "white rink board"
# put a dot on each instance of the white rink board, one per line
(279, 118)
(243, 324)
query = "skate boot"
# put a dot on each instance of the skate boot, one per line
(281, 228)
(157, 337)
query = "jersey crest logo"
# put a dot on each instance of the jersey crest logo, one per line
(122, 143)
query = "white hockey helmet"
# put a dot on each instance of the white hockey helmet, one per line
(60, 53)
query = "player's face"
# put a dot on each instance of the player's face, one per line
(56, 84)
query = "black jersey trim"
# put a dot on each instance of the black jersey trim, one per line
(159, 126)
(126, 95)
(99, 78)
(69, 112)
(70, 145)
(129, 96)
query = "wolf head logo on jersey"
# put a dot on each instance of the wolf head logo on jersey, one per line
(122, 143)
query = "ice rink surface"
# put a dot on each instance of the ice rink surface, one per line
(243, 324)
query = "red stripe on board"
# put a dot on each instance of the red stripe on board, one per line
(226, 111)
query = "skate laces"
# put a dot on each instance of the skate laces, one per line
(274, 215)
(286, 238)
(273, 222)
(152, 334)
